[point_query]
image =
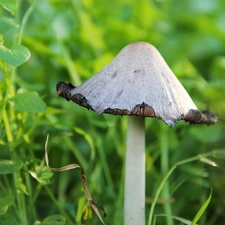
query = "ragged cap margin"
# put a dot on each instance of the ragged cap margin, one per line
(193, 116)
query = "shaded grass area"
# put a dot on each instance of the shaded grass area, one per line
(71, 41)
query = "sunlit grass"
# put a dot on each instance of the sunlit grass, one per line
(70, 41)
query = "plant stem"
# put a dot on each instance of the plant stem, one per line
(134, 205)
(25, 19)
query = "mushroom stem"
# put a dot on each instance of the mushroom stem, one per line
(134, 202)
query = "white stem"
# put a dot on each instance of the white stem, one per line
(134, 202)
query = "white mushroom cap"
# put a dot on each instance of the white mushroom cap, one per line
(137, 82)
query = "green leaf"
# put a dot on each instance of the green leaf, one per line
(202, 210)
(8, 166)
(5, 202)
(28, 102)
(6, 24)
(182, 220)
(9, 5)
(15, 55)
(206, 134)
(21, 187)
(42, 174)
(9, 219)
(52, 220)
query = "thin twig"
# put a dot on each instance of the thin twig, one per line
(94, 205)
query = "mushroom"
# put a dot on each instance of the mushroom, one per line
(140, 84)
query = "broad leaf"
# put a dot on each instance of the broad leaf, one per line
(8, 166)
(28, 102)
(5, 202)
(9, 218)
(52, 220)
(15, 55)
(6, 24)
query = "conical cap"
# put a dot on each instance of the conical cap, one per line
(137, 82)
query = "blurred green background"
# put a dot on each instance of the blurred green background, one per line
(71, 40)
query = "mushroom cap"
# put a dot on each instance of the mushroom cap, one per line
(137, 82)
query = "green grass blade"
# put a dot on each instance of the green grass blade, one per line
(182, 220)
(202, 209)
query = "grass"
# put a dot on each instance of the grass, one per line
(71, 41)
